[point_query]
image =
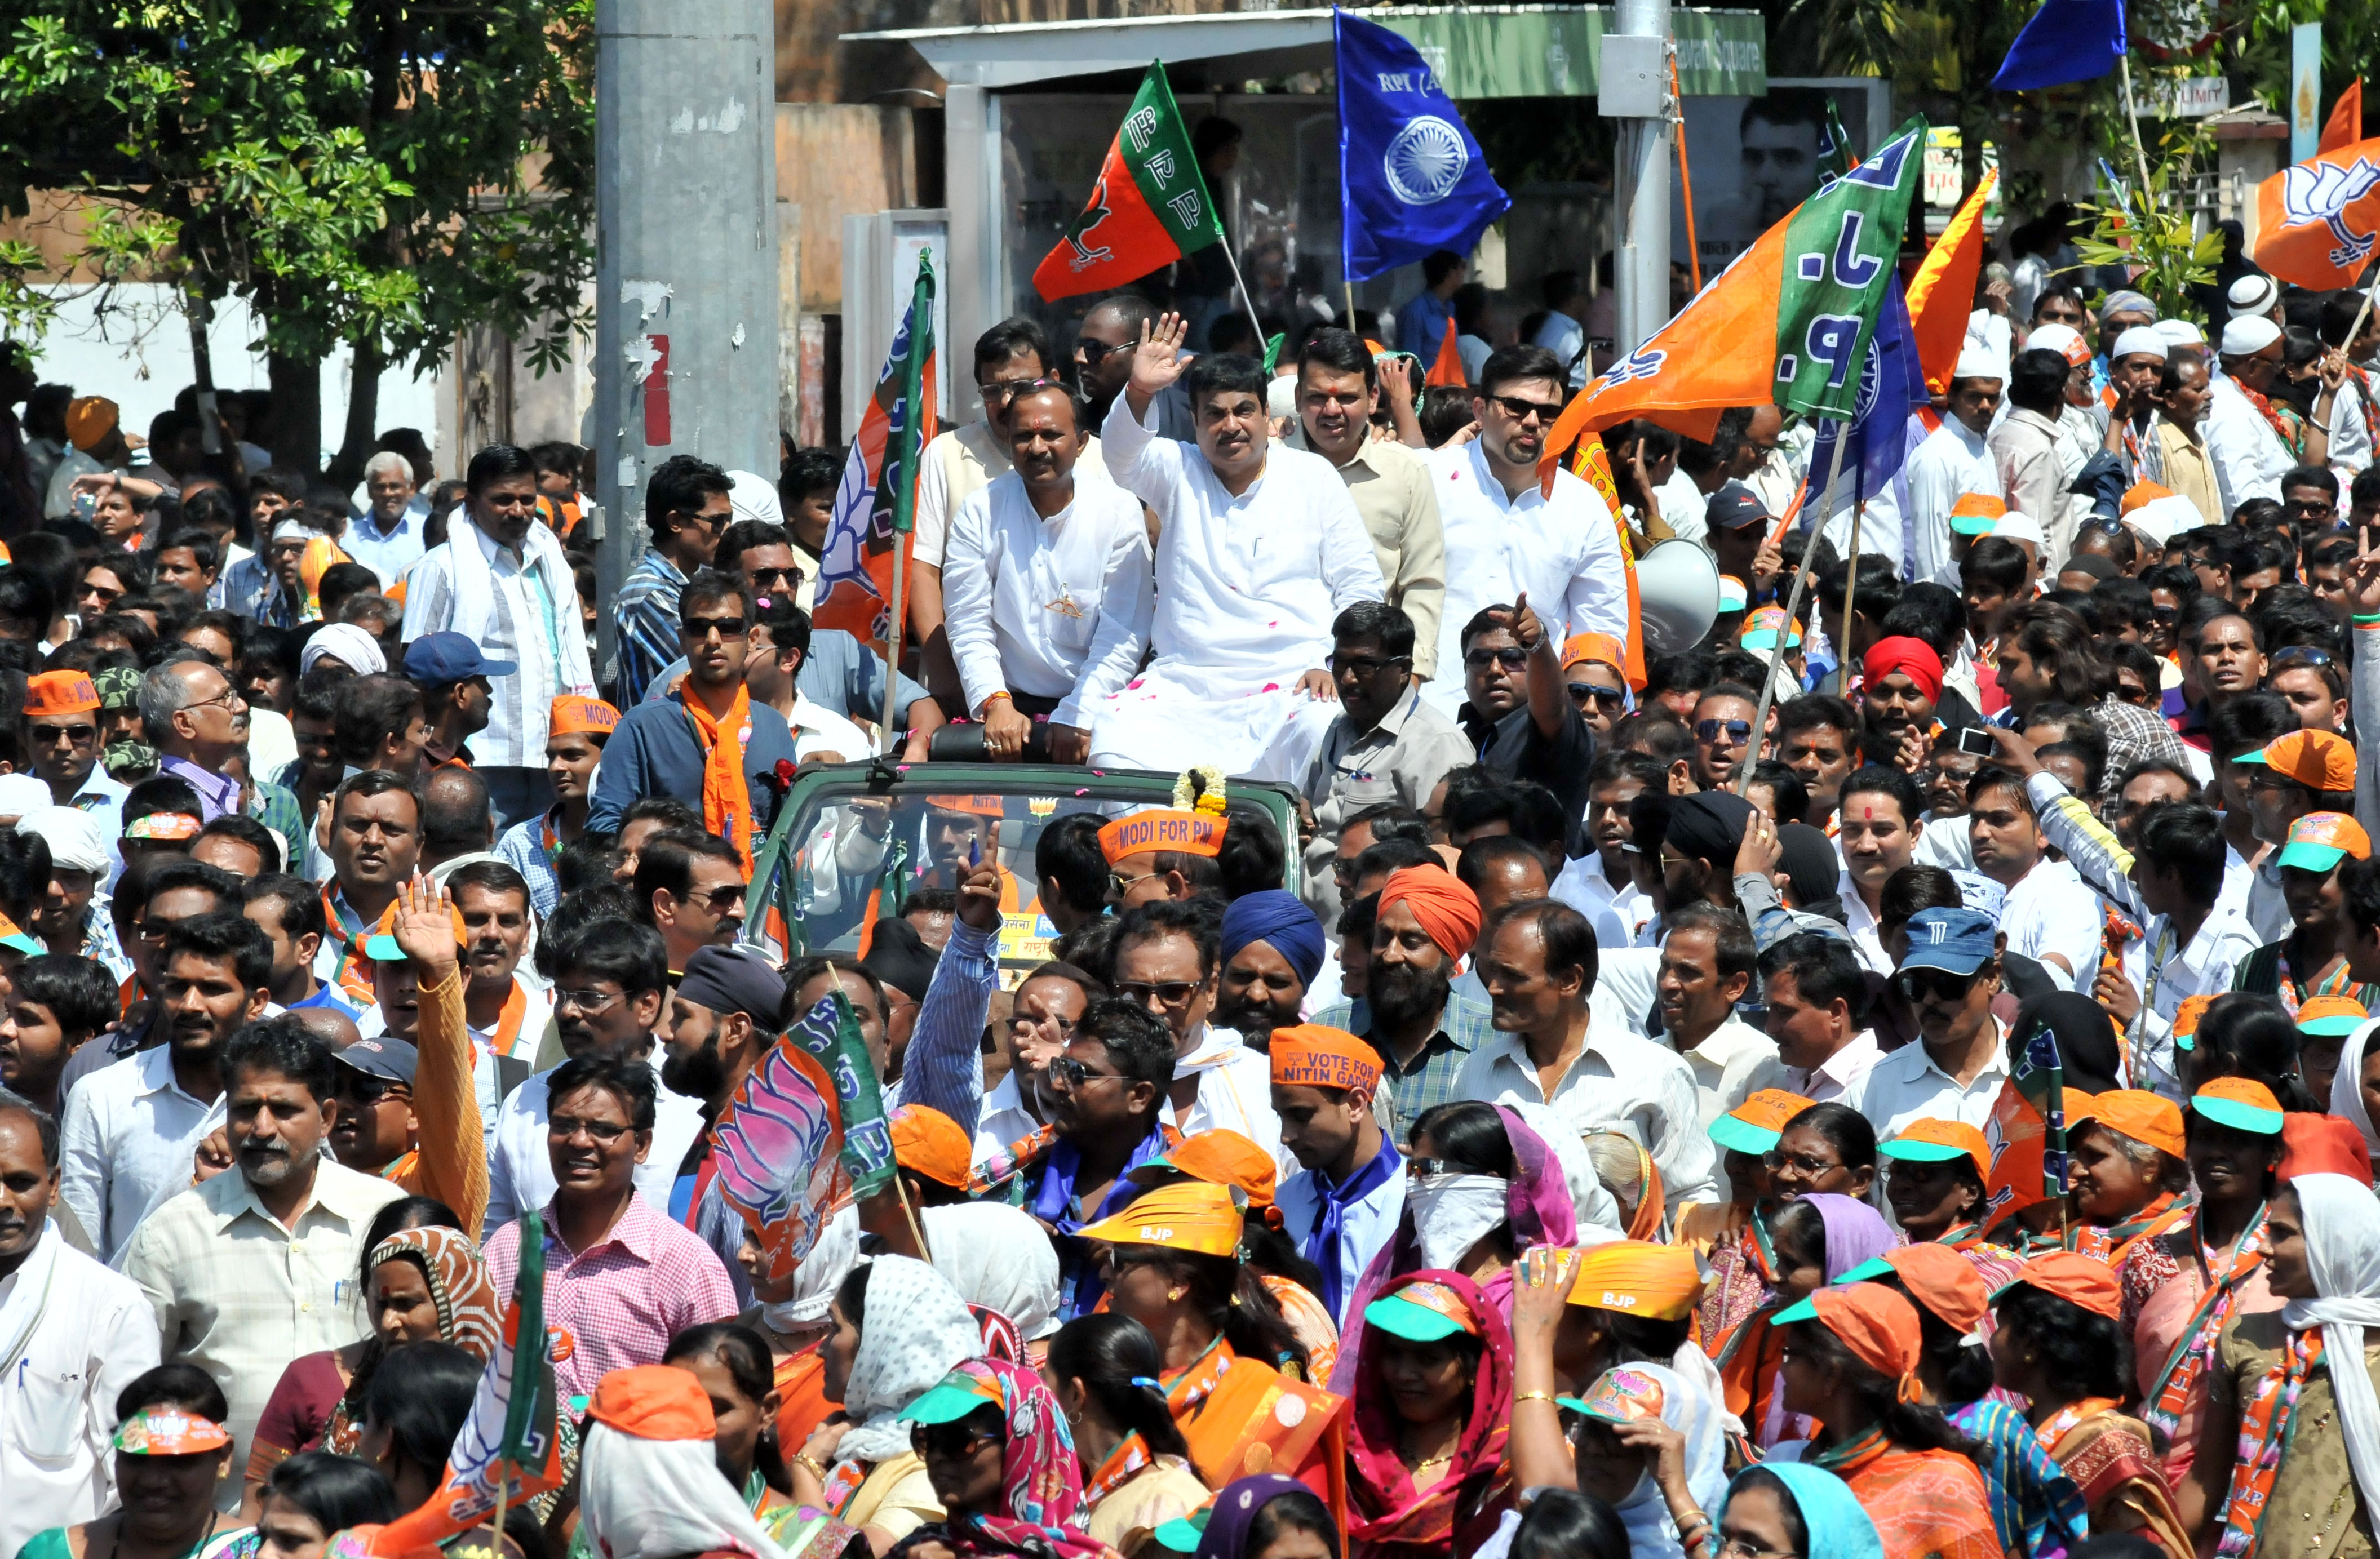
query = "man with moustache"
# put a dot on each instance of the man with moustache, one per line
(722, 1020)
(375, 847)
(1422, 1029)
(1955, 1070)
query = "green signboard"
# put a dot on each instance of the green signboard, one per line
(1527, 50)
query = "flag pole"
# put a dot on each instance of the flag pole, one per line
(1249, 300)
(1350, 285)
(1685, 176)
(1850, 589)
(1801, 580)
(504, 1487)
(2139, 148)
(893, 645)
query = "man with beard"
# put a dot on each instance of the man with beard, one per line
(1423, 1031)
(1167, 958)
(130, 1130)
(87, 1337)
(375, 846)
(153, 892)
(1507, 539)
(722, 1020)
(611, 992)
(248, 1271)
(1271, 949)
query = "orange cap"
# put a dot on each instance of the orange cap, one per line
(576, 714)
(60, 692)
(654, 1402)
(933, 1145)
(2186, 1016)
(1937, 1277)
(2241, 1103)
(1637, 1277)
(163, 826)
(2138, 1113)
(2319, 840)
(1878, 1325)
(1604, 648)
(2074, 1276)
(1186, 833)
(1222, 1157)
(2320, 761)
(1448, 911)
(979, 807)
(1316, 1056)
(1755, 1125)
(1930, 1141)
(2322, 1145)
(2143, 492)
(2331, 1016)
(90, 418)
(1192, 1215)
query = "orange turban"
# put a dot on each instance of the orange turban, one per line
(1313, 1056)
(1637, 1277)
(1914, 658)
(1448, 911)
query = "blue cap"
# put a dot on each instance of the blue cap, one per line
(1958, 940)
(435, 659)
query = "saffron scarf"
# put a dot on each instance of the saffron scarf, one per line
(1129, 1456)
(1930, 1503)
(1393, 1512)
(726, 796)
(2266, 1420)
(2113, 1243)
(2184, 1371)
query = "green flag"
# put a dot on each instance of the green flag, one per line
(1149, 206)
(530, 1411)
(1836, 157)
(1840, 248)
(866, 1135)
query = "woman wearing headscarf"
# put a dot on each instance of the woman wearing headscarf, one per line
(2035, 1508)
(2060, 1348)
(1136, 1472)
(791, 1317)
(897, 1327)
(1271, 949)
(2293, 1389)
(1851, 1356)
(1784, 1507)
(1652, 1444)
(995, 1445)
(2355, 1087)
(1733, 1235)
(1817, 1238)
(1265, 1517)
(732, 1364)
(650, 1486)
(1427, 1454)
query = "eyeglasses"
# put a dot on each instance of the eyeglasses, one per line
(1520, 410)
(1800, 1163)
(588, 1002)
(703, 627)
(1914, 984)
(1738, 731)
(1610, 697)
(1366, 665)
(791, 578)
(1428, 1167)
(1511, 659)
(223, 698)
(49, 735)
(603, 1134)
(1074, 1074)
(1745, 1548)
(1172, 993)
(950, 1440)
(1119, 884)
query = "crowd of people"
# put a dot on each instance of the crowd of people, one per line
(1891, 1079)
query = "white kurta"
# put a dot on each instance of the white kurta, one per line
(2350, 433)
(1950, 464)
(1057, 607)
(1564, 550)
(2249, 458)
(1246, 588)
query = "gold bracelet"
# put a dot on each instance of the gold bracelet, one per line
(809, 1463)
(1532, 1396)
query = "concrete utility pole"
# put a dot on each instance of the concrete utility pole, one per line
(1634, 89)
(687, 245)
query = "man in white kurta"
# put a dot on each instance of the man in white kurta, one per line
(1506, 538)
(1953, 462)
(1047, 593)
(1258, 548)
(2241, 444)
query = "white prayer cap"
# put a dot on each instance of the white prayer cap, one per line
(2147, 340)
(292, 530)
(2064, 340)
(2179, 333)
(346, 643)
(2249, 334)
(1977, 361)
(754, 498)
(2253, 294)
(2013, 527)
(2162, 519)
(73, 836)
(21, 793)
(1281, 396)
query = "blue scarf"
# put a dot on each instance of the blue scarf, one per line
(1323, 1245)
(1079, 1285)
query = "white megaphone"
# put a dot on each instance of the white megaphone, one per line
(1677, 595)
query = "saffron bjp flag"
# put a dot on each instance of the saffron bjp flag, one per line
(1448, 369)
(1150, 207)
(1591, 463)
(1942, 294)
(2345, 125)
(512, 1442)
(2317, 221)
(876, 506)
(2027, 1130)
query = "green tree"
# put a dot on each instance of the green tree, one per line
(374, 172)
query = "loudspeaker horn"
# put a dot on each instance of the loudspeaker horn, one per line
(1676, 591)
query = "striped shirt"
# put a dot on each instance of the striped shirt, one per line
(623, 1297)
(646, 607)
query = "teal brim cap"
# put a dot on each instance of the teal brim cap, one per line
(2345, 1023)
(1183, 1535)
(21, 943)
(1741, 1135)
(2238, 1116)
(1921, 1152)
(383, 950)
(1806, 1310)
(947, 1403)
(2257, 756)
(1974, 525)
(1417, 1324)
(1874, 1267)
(1575, 1406)
(2308, 856)
(1765, 638)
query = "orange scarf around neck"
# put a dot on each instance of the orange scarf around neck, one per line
(726, 798)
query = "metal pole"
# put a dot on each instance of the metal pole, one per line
(1850, 590)
(1793, 605)
(1641, 267)
(686, 246)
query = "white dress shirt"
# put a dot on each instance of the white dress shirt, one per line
(1004, 1120)
(818, 728)
(2052, 910)
(2165, 976)
(124, 1140)
(2350, 431)
(1834, 1079)
(1684, 507)
(1907, 1085)
(1952, 462)
(388, 553)
(72, 1336)
(1617, 910)
(2249, 458)
(1725, 1063)
(524, 597)
(1566, 339)
(1057, 607)
(1618, 1083)
(1564, 550)
(520, 1168)
(1234, 1093)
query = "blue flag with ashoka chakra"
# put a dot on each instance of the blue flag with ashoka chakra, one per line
(1414, 180)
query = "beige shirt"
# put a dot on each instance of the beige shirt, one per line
(2315, 1511)
(1391, 489)
(896, 1497)
(1401, 759)
(242, 1298)
(2188, 471)
(1166, 1490)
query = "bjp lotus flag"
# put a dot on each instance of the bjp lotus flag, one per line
(2317, 221)
(1149, 208)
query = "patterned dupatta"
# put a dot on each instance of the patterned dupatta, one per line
(2183, 1371)
(1040, 1480)
(2111, 1244)
(2267, 1420)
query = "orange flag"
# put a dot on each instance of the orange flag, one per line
(2318, 221)
(1942, 294)
(2345, 127)
(1448, 369)
(1591, 461)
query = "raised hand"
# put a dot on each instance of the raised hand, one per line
(424, 928)
(1156, 361)
(980, 896)
(1527, 629)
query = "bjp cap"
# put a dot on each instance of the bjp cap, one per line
(1755, 1125)
(162, 1431)
(1760, 629)
(933, 1145)
(2319, 840)
(60, 692)
(2138, 1113)
(1220, 1157)
(2322, 1145)
(1975, 513)
(1605, 648)
(959, 1395)
(13, 935)
(1186, 833)
(89, 420)
(1637, 1277)
(2320, 761)
(1190, 1215)
(1932, 1141)
(1622, 1395)
(2185, 1020)
(1879, 1326)
(174, 826)
(2140, 493)
(2328, 1015)
(1423, 1312)
(574, 713)
(1448, 911)
(2071, 1275)
(654, 1402)
(974, 806)
(1937, 1276)
(2241, 1103)
(381, 945)
(1316, 1056)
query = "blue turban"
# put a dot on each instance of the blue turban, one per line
(1276, 917)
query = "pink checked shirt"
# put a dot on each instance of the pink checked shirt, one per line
(625, 1297)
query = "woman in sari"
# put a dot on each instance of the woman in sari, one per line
(1851, 1363)
(172, 1452)
(1579, 1313)
(1935, 1181)
(2062, 1347)
(1652, 1444)
(2130, 1171)
(1427, 1455)
(1787, 1508)
(1824, 1150)
(2293, 1390)
(1174, 1265)
(2035, 1508)
(1817, 1237)
(2182, 1287)
(1732, 1236)
(1136, 1471)
(1003, 1465)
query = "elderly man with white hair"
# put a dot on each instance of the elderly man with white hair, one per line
(386, 536)
(2244, 443)
(73, 917)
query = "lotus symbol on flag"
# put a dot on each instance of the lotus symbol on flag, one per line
(1425, 161)
(2321, 192)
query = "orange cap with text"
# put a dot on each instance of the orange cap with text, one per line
(1186, 833)
(1604, 648)
(1316, 1056)
(1191, 1216)
(572, 714)
(60, 692)
(1637, 1277)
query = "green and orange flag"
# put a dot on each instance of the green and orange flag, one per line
(1788, 321)
(1149, 208)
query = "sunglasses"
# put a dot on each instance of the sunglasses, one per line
(1801, 1163)
(1074, 1074)
(1521, 410)
(1001, 391)
(1737, 731)
(1364, 665)
(1915, 985)
(51, 735)
(702, 627)
(1091, 354)
(1511, 659)
(1172, 993)
(1610, 697)
(951, 1441)
(2300, 655)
